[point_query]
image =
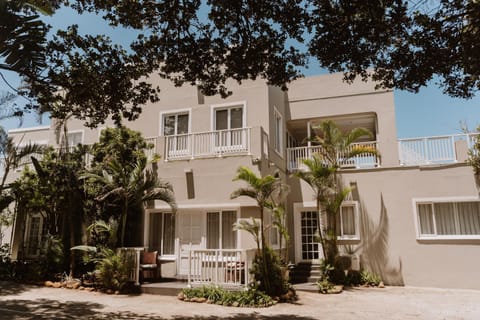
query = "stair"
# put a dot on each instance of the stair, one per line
(305, 272)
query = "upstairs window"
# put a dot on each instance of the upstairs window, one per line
(175, 124)
(228, 118)
(448, 220)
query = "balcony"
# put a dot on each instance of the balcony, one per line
(207, 144)
(295, 157)
(434, 150)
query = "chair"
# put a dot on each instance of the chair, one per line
(148, 265)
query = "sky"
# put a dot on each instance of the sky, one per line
(427, 113)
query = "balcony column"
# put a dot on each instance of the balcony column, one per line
(309, 134)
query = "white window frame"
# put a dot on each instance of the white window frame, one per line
(278, 132)
(356, 236)
(434, 237)
(70, 145)
(27, 235)
(229, 105)
(175, 112)
(161, 253)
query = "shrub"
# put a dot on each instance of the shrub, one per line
(245, 298)
(370, 278)
(6, 265)
(354, 278)
(114, 269)
(275, 277)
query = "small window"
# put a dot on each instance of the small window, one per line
(278, 131)
(35, 235)
(448, 220)
(175, 124)
(73, 139)
(347, 222)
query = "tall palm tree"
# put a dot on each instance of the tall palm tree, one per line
(336, 149)
(131, 187)
(264, 191)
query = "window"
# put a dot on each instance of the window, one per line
(162, 233)
(176, 127)
(35, 235)
(347, 222)
(74, 138)
(175, 124)
(229, 123)
(448, 220)
(278, 131)
(220, 233)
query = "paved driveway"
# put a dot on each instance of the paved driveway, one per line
(29, 302)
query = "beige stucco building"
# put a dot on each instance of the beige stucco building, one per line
(413, 215)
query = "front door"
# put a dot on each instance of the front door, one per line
(307, 227)
(190, 233)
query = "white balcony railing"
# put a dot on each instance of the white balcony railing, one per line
(207, 144)
(432, 150)
(295, 157)
(221, 267)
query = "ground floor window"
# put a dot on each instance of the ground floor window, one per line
(220, 233)
(347, 221)
(163, 241)
(35, 235)
(453, 219)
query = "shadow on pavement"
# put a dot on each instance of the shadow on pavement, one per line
(246, 316)
(42, 309)
(8, 288)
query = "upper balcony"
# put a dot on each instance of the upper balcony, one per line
(207, 144)
(434, 150)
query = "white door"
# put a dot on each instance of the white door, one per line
(307, 230)
(191, 230)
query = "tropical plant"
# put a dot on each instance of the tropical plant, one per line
(129, 187)
(336, 149)
(114, 269)
(264, 191)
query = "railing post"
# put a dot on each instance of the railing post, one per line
(137, 267)
(189, 283)
(216, 267)
(427, 153)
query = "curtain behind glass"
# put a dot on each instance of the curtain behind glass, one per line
(445, 218)
(213, 230)
(348, 220)
(469, 218)
(229, 237)
(168, 233)
(425, 216)
(155, 232)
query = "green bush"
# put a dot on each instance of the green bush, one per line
(6, 264)
(269, 276)
(370, 278)
(354, 278)
(114, 269)
(245, 298)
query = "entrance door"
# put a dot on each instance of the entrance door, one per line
(308, 247)
(190, 233)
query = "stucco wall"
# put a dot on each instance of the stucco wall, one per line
(389, 244)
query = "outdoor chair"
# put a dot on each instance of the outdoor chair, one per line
(148, 265)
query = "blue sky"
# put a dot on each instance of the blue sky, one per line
(430, 112)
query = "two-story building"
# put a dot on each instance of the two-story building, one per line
(413, 215)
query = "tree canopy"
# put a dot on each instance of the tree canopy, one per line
(400, 44)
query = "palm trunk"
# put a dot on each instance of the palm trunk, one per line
(320, 229)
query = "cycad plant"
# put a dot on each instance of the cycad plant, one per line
(129, 187)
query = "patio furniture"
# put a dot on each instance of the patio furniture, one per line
(148, 265)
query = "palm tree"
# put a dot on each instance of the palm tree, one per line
(264, 191)
(322, 174)
(130, 187)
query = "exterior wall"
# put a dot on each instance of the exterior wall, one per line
(388, 241)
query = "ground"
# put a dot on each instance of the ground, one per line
(21, 302)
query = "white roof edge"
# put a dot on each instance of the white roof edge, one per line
(20, 130)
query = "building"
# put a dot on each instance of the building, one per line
(413, 215)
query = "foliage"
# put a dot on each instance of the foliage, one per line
(474, 156)
(322, 174)
(55, 192)
(114, 269)
(353, 278)
(325, 283)
(129, 187)
(266, 192)
(245, 298)
(270, 261)
(6, 265)
(370, 278)
(397, 43)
